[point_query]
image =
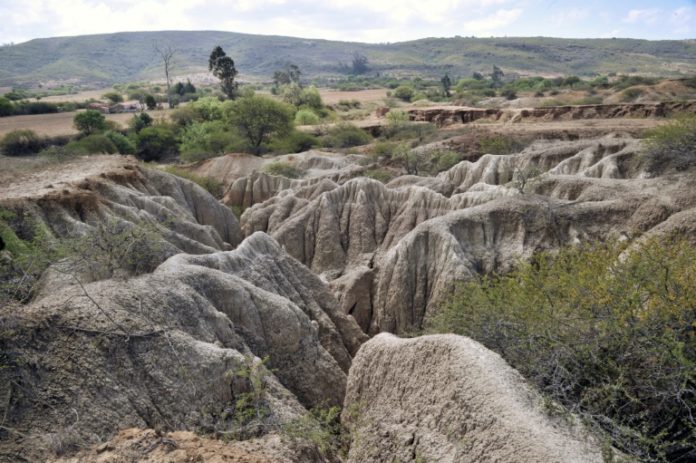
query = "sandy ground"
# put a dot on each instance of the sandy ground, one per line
(364, 96)
(33, 176)
(59, 123)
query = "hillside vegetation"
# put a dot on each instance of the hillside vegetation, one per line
(128, 56)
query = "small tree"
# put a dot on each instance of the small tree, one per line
(290, 75)
(258, 118)
(446, 85)
(140, 121)
(155, 143)
(222, 67)
(167, 56)
(150, 102)
(89, 122)
(360, 62)
(113, 97)
(497, 76)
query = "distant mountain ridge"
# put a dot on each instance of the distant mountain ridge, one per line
(129, 56)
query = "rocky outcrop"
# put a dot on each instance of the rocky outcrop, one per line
(156, 351)
(448, 399)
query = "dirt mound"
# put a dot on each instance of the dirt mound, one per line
(448, 399)
(157, 350)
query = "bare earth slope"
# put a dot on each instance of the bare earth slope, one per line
(448, 399)
(391, 252)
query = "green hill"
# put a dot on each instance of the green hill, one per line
(129, 56)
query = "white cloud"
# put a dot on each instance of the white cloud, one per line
(493, 22)
(647, 16)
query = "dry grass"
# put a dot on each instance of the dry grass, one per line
(363, 96)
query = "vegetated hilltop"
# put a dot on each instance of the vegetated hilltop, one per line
(128, 56)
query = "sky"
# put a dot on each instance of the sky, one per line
(375, 21)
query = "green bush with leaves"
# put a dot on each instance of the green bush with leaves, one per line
(90, 121)
(258, 119)
(92, 144)
(672, 146)
(203, 140)
(346, 135)
(283, 169)
(294, 142)
(156, 143)
(140, 121)
(21, 143)
(123, 144)
(404, 93)
(501, 144)
(306, 117)
(606, 331)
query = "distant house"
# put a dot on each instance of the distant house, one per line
(126, 107)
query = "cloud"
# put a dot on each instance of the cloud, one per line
(496, 21)
(647, 16)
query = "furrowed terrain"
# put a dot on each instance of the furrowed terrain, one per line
(164, 327)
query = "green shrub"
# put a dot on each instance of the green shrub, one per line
(509, 94)
(381, 175)
(203, 140)
(347, 105)
(346, 135)
(383, 148)
(283, 169)
(500, 144)
(294, 142)
(6, 107)
(113, 97)
(150, 102)
(92, 144)
(672, 146)
(404, 93)
(608, 335)
(123, 144)
(213, 186)
(631, 94)
(156, 143)
(306, 117)
(90, 121)
(442, 160)
(140, 121)
(20, 143)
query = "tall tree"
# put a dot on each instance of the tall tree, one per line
(446, 85)
(222, 67)
(497, 76)
(359, 64)
(291, 74)
(166, 54)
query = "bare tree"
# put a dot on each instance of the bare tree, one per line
(167, 56)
